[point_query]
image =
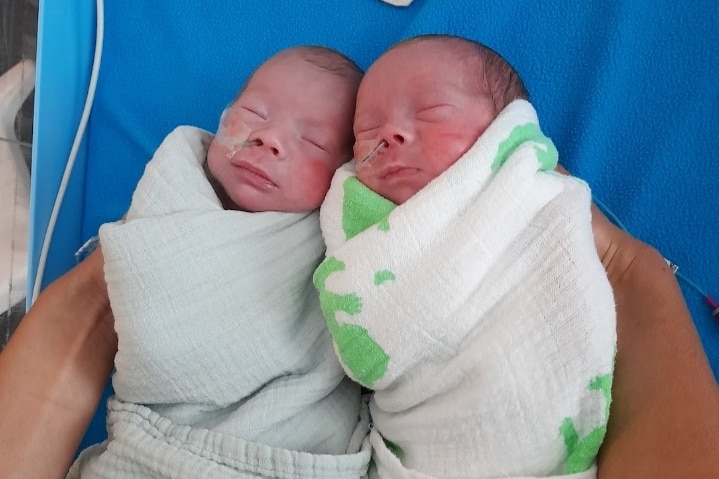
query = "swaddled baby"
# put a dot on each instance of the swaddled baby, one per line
(461, 282)
(224, 366)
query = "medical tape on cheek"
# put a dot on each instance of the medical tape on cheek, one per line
(232, 133)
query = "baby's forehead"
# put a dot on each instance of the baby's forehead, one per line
(299, 76)
(412, 74)
(437, 61)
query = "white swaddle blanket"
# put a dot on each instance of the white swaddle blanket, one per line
(478, 311)
(224, 365)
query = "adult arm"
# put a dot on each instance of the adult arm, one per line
(664, 418)
(53, 372)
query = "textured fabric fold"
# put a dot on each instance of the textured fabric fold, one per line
(220, 335)
(142, 443)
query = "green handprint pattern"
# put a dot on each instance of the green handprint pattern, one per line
(361, 355)
(383, 276)
(546, 151)
(363, 208)
(582, 452)
(394, 448)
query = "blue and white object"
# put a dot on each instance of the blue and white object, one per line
(15, 86)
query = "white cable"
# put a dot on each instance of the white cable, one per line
(99, 32)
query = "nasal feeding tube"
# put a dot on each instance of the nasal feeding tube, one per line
(233, 133)
(373, 152)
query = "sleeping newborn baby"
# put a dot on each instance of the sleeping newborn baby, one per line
(224, 366)
(461, 282)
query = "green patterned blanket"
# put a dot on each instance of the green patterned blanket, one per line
(478, 311)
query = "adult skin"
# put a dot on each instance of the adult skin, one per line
(53, 372)
(664, 420)
(664, 417)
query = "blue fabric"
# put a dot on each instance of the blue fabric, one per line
(627, 91)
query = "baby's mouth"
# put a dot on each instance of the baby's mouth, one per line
(255, 171)
(396, 172)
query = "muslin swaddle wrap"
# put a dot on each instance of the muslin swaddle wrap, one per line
(478, 311)
(224, 366)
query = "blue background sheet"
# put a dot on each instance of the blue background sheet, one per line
(627, 90)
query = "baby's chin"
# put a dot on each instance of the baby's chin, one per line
(256, 202)
(396, 192)
(253, 205)
(399, 197)
(396, 195)
(251, 202)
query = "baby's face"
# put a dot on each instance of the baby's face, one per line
(298, 118)
(418, 99)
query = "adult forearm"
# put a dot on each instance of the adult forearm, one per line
(664, 418)
(53, 372)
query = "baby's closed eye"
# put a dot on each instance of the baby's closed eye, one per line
(254, 112)
(435, 112)
(316, 143)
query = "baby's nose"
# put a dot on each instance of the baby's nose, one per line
(396, 133)
(269, 140)
(257, 142)
(396, 138)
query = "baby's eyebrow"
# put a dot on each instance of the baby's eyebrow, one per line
(314, 123)
(251, 97)
(363, 114)
(322, 135)
(362, 122)
(320, 126)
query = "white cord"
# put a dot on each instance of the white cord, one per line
(99, 32)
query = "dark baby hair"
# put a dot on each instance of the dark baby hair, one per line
(331, 60)
(325, 58)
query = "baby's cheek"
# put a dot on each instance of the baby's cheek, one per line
(363, 148)
(443, 148)
(316, 181)
(215, 153)
(363, 174)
